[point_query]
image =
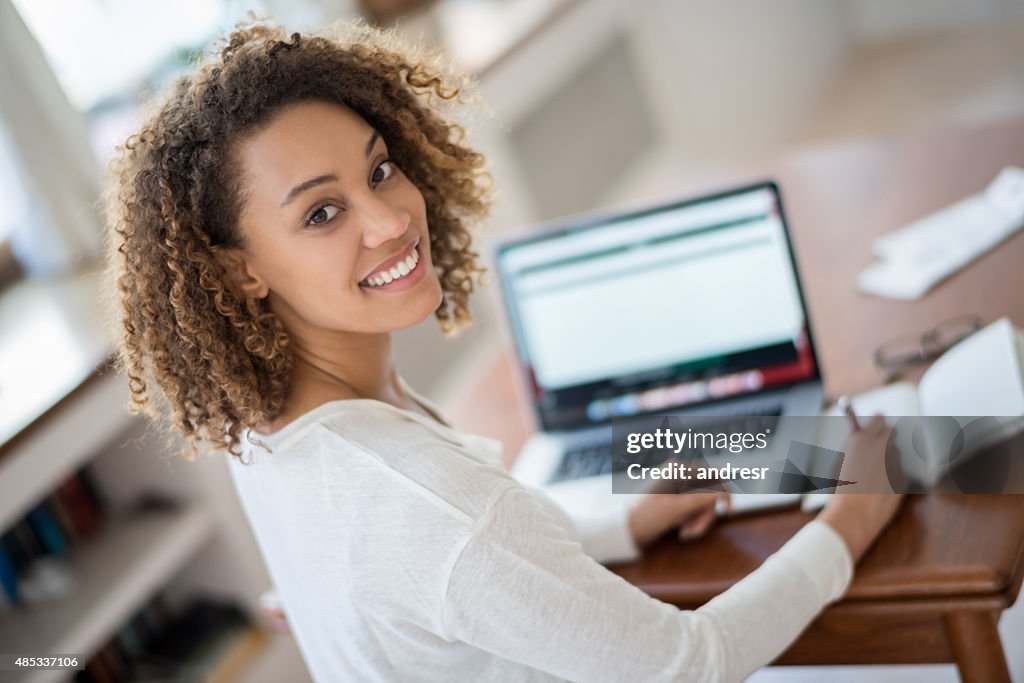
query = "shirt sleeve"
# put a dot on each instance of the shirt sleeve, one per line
(602, 526)
(523, 589)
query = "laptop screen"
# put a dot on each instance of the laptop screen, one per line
(678, 305)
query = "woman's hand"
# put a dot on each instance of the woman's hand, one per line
(860, 517)
(655, 514)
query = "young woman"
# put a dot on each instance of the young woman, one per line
(288, 206)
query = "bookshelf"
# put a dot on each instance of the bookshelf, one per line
(201, 546)
(115, 572)
(47, 455)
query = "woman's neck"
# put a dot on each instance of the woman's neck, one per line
(361, 364)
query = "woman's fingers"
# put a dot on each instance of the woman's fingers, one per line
(876, 423)
(704, 517)
(689, 513)
(864, 462)
(697, 525)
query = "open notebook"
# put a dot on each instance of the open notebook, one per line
(982, 376)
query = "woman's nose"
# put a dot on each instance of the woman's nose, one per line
(382, 222)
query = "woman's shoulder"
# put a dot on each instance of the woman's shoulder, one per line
(446, 467)
(304, 401)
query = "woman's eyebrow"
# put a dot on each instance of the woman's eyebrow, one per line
(326, 178)
(369, 145)
(308, 185)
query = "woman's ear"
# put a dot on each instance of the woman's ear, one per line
(240, 275)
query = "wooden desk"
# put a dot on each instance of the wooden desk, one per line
(932, 589)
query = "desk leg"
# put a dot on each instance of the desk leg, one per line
(977, 647)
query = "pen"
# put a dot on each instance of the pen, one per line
(847, 407)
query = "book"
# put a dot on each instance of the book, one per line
(207, 637)
(5, 600)
(99, 671)
(63, 518)
(129, 640)
(92, 490)
(115, 663)
(45, 525)
(84, 514)
(982, 376)
(15, 551)
(27, 538)
(8, 576)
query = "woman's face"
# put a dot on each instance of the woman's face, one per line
(334, 233)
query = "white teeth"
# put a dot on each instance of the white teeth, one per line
(401, 270)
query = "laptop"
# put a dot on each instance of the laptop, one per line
(693, 307)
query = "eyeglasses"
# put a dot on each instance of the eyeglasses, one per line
(899, 354)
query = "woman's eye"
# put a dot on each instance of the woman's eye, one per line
(385, 170)
(322, 215)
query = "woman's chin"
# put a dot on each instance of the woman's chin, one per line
(422, 306)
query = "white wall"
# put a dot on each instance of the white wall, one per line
(873, 21)
(719, 81)
(738, 77)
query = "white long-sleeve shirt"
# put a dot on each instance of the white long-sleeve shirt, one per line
(402, 550)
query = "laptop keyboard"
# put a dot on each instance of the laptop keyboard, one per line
(585, 461)
(594, 459)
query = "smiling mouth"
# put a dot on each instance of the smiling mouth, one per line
(396, 272)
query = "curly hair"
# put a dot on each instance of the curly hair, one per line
(221, 362)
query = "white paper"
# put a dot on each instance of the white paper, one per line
(892, 400)
(917, 257)
(979, 376)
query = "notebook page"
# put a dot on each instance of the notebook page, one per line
(980, 376)
(892, 400)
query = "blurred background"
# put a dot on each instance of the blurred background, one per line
(593, 103)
